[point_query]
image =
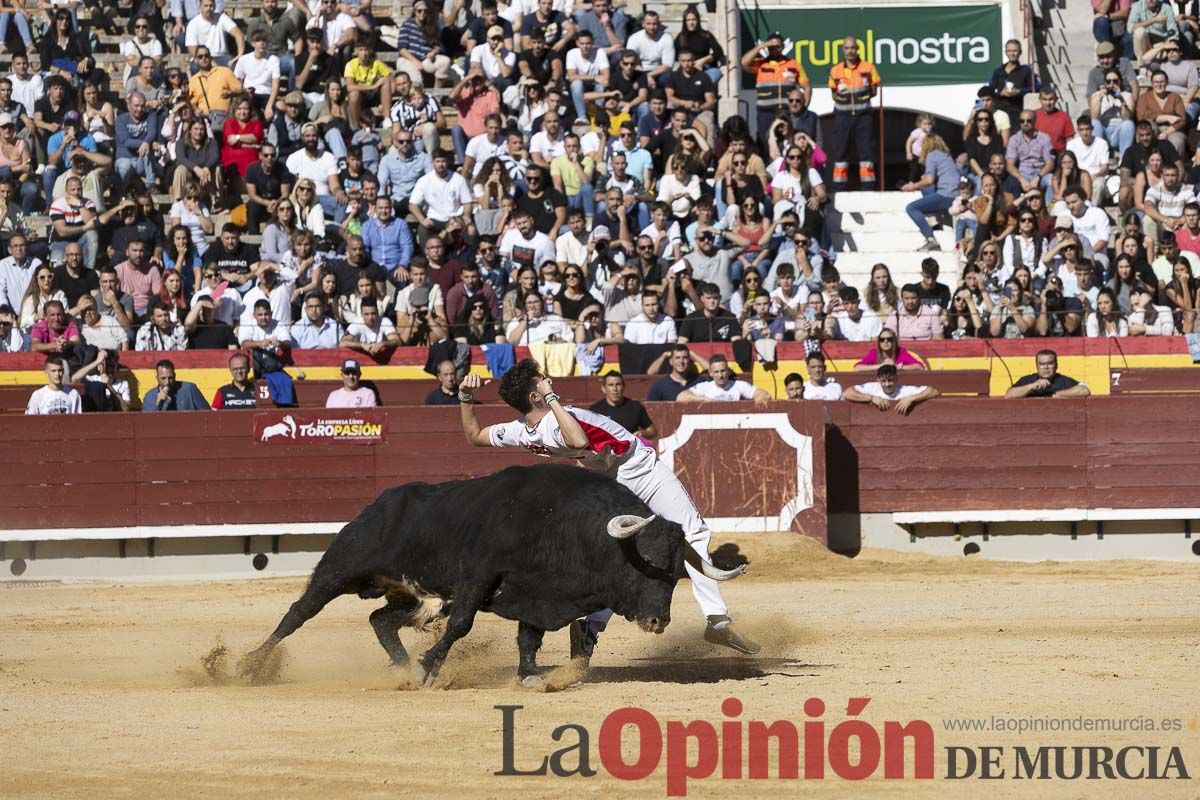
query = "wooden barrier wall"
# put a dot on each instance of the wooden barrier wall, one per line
(951, 454)
(202, 468)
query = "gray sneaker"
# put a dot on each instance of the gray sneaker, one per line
(929, 246)
(721, 632)
(583, 641)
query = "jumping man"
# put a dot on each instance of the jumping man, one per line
(550, 428)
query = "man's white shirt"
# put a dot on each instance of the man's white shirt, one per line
(734, 390)
(364, 335)
(829, 390)
(641, 330)
(873, 389)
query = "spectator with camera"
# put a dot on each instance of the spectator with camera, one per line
(1058, 313)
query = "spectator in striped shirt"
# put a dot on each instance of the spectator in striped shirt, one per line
(419, 50)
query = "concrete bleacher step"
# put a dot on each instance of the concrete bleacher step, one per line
(873, 202)
(904, 266)
(888, 242)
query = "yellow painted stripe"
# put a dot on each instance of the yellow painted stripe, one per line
(1093, 370)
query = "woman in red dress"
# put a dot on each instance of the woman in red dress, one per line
(241, 139)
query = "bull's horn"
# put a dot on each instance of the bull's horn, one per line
(706, 567)
(625, 525)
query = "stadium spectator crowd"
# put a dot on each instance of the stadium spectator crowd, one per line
(591, 194)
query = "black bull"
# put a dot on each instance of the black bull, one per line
(531, 544)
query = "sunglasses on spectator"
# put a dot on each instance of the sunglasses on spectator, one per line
(887, 339)
(141, 27)
(645, 248)
(739, 162)
(212, 275)
(800, 241)
(706, 237)
(1026, 120)
(793, 156)
(795, 99)
(1027, 219)
(626, 134)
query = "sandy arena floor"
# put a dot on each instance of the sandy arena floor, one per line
(102, 692)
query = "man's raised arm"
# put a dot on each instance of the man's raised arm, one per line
(476, 434)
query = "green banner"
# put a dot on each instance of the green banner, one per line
(909, 45)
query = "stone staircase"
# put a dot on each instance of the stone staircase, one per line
(869, 228)
(1066, 51)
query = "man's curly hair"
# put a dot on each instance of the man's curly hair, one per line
(518, 382)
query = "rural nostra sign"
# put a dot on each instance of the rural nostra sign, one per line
(909, 45)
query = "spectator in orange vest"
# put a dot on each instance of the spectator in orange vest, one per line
(853, 83)
(775, 77)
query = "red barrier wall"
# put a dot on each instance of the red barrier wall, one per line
(198, 468)
(951, 454)
(1102, 452)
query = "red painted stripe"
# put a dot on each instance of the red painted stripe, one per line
(598, 439)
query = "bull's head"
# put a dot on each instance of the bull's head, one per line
(626, 525)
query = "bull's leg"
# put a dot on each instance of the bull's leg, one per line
(318, 594)
(467, 602)
(387, 622)
(529, 640)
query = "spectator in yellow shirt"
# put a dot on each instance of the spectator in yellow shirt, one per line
(367, 80)
(211, 89)
(572, 175)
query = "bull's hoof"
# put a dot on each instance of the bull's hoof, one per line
(261, 666)
(534, 681)
(424, 677)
